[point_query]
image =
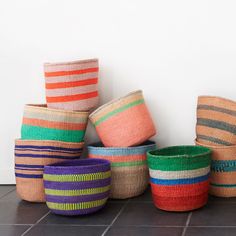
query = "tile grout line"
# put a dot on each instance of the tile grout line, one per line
(114, 220)
(7, 193)
(187, 224)
(35, 223)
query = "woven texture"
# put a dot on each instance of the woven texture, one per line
(223, 170)
(216, 121)
(77, 187)
(30, 158)
(42, 123)
(72, 85)
(179, 177)
(124, 122)
(129, 168)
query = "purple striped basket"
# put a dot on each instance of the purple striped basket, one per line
(77, 187)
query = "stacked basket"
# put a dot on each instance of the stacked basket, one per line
(55, 132)
(124, 126)
(216, 129)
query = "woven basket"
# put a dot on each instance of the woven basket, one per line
(216, 121)
(30, 158)
(77, 187)
(72, 85)
(124, 122)
(42, 123)
(223, 170)
(179, 177)
(129, 168)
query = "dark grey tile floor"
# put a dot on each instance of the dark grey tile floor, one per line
(135, 216)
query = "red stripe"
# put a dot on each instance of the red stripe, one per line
(72, 72)
(180, 190)
(181, 203)
(72, 97)
(71, 84)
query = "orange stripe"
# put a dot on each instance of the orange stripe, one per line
(53, 124)
(72, 97)
(72, 72)
(120, 158)
(72, 84)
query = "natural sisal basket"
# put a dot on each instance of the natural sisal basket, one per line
(124, 122)
(30, 158)
(179, 177)
(42, 123)
(223, 170)
(72, 85)
(216, 121)
(77, 187)
(128, 166)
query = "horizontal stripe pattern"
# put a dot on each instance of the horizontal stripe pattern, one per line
(77, 83)
(223, 166)
(77, 192)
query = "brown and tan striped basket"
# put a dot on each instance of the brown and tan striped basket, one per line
(216, 121)
(223, 170)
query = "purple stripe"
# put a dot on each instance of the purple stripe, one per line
(46, 156)
(18, 168)
(29, 166)
(84, 166)
(29, 176)
(78, 212)
(47, 150)
(77, 199)
(48, 147)
(77, 185)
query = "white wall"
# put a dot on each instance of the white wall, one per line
(173, 50)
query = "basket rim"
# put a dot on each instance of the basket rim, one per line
(214, 146)
(113, 101)
(78, 164)
(46, 141)
(93, 146)
(217, 97)
(169, 156)
(82, 61)
(44, 107)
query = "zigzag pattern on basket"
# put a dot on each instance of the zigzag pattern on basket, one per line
(78, 187)
(30, 158)
(41, 123)
(216, 121)
(72, 85)
(128, 165)
(179, 177)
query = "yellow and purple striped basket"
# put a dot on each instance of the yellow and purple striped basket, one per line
(128, 166)
(42, 123)
(124, 122)
(77, 187)
(72, 85)
(30, 158)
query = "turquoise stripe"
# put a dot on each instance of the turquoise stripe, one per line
(41, 133)
(223, 166)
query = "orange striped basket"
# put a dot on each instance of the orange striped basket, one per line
(30, 158)
(42, 123)
(72, 85)
(216, 121)
(124, 122)
(223, 170)
(129, 171)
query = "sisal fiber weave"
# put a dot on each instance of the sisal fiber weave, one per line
(179, 177)
(77, 187)
(128, 166)
(30, 158)
(42, 123)
(72, 85)
(223, 170)
(216, 121)
(124, 122)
